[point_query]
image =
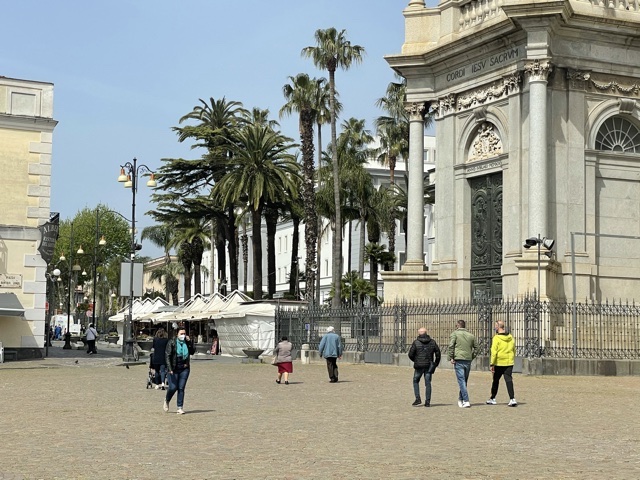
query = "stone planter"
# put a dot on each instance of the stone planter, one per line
(252, 352)
(145, 345)
(203, 348)
(112, 340)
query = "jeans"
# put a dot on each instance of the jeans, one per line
(418, 373)
(332, 368)
(462, 368)
(91, 346)
(161, 374)
(499, 372)
(177, 382)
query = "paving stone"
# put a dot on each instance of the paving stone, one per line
(96, 420)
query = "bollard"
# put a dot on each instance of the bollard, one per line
(304, 354)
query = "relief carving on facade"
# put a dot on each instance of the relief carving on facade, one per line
(604, 83)
(578, 78)
(446, 104)
(538, 71)
(508, 85)
(486, 144)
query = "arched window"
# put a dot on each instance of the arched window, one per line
(617, 134)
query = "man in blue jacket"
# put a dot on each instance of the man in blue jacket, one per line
(331, 349)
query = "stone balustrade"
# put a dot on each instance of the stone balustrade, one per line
(474, 12)
(631, 5)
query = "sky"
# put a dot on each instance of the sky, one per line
(125, 71)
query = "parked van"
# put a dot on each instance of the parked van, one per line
(61, 321)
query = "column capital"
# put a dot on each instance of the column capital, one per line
(538, 71)
(416, 111)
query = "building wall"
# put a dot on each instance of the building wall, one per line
(475, 67)
(26, 135)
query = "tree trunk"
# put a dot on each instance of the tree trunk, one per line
(337, 232)
(318, 237)
(271, 218)
(233, 250)
(245, 257)
(256, 243)
(392, 228)
(309, 201)
(221, 253)
(294, 281)
(212, 269)
(363, 224)
(373, 278)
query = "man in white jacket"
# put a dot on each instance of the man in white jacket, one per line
(92, 334)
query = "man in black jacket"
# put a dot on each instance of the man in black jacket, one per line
(425, 355)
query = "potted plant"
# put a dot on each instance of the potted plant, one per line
(145, 342)
(113, 337)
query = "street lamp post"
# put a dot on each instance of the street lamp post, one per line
(547, 243)
(129, 176)
(100, 241)
(51, 284)
(73, 270)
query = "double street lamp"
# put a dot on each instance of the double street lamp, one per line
(547, 243)
(74, 268)
(129, 173)
(100, 241)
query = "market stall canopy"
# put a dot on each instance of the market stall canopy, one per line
(10, 306)
(140, 309)
(192, 310)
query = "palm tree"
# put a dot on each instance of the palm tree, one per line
(161, 236)
(170, 275)
(216, 125)
(262, 168)
(333, 50)
(301, 95)
(377, 254)
(196, 234)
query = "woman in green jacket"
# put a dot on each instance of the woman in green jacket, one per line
(503, 356)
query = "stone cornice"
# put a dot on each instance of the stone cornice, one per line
(38, 124)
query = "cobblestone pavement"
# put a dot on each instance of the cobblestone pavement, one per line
(94, 419)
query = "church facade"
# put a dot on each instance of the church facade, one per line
(535, 105)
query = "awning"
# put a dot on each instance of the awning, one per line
(10, 306)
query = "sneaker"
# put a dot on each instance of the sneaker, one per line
(512, 403)
(157, 387)
(417, 403)
(427, 403)
(491, 401)
(180, 411)
(466, 405)
(165, 406)
(460, 403)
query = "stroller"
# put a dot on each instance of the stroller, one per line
(152, 374)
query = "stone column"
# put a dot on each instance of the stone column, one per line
(538, 73)
(415, 189)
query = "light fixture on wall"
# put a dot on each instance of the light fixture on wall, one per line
(548, 244)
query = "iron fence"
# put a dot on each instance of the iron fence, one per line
(540, 329)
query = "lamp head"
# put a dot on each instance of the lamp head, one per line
(62, 258)
(548, 243)
(80, 251)
(123, 176)
(76, 268)
(56, 272)
(152, 181)
(530, 242)
(102, 241)
(128, 183)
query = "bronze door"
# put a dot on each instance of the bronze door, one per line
(486, 236)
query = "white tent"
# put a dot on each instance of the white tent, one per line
(140, 310)
(246, 325)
